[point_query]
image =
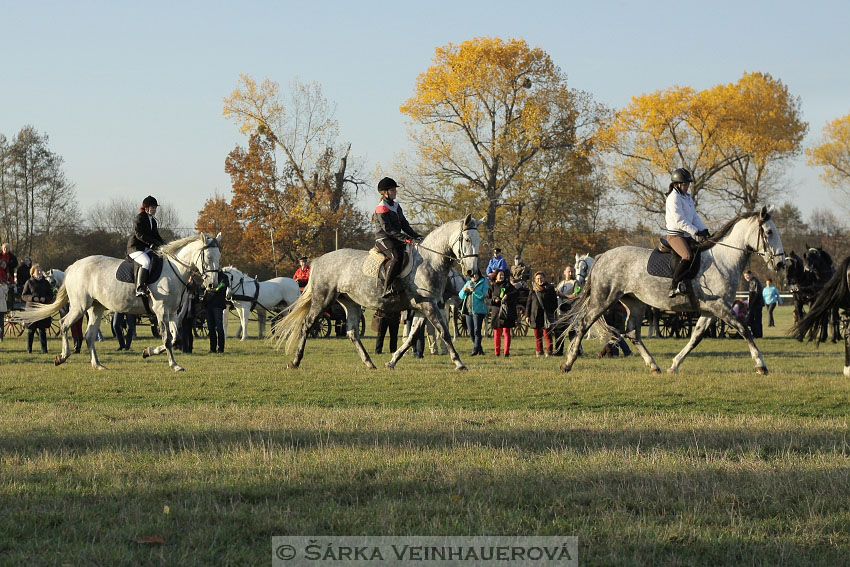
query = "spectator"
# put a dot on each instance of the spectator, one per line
(615, 317)
(474, 308)
(23, 273)
(4, 273)
(4, 307)
(754, 303)
(11, 262)
(520, 273)
(215, 302)
(120, 322)
(739, 308)
(502, 299)
(418, 344)
(77, 334)
(566, 288)
(302, 274)
(540, 312)
(771, 298)
(496, 262)
(37, 290)
(388, 322)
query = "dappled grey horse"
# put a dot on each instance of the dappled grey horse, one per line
(339, 276)
(621, 275)
(91, 286)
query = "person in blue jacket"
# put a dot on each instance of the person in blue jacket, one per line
(771, 298)
(475, 308)
(497, 262)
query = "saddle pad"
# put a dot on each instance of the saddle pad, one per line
(124, 273)
(659, 265)
(375, 259)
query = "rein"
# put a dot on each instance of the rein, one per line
(452, 258)
(762, 239)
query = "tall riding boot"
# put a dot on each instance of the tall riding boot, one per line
(141, 286)
(42, 337)
(679, 268)
(393, 268)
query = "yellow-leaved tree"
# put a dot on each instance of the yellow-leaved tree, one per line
(832, 153)
(482, 117)
(732, 137)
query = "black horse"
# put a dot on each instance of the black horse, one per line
(834, 295)
(819, 265)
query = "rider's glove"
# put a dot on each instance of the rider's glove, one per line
(702, 235)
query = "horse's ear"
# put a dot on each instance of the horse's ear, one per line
(467, 222)
(577, 258)
(218, 237)
(765, 213)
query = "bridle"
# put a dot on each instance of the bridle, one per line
(193, 267)
(582, 273)
(454, 257)
(762, 243)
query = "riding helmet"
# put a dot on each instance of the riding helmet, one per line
(149, 202)
(386, 183)
(682, 175)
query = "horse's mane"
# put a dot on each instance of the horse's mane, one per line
(175, 245)
(724, 230)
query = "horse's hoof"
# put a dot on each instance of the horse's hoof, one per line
(100, 367)
(847, 371)
(462, 367)
(390, 366)
(146, 352)
(672, 370)
(655, 371)
(564, 367)
(57, 360)
(762, 370)
(178, 369)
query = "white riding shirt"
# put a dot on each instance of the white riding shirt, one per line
(681, 215)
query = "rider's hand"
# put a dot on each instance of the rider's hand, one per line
(702, 235)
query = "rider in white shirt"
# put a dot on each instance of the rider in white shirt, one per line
(683, 225)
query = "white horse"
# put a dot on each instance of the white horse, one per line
(55, 277)
(248, 294)
(582, 268)
(91, 287)
(620, 274)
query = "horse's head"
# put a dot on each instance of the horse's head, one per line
(818, 262)
(204, 255)
(769, 243)
(795, 269)
(466, 242)
(582, 267)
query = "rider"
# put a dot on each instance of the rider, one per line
(393, 230)
(145, 238)
(683, 224)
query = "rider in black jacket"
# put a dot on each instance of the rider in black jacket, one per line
(145, 238)
(392, 232)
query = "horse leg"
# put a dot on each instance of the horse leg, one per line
(634, 320)
(723, 311)
(697, 334)
(597, 304)
(441, 327)
(95, 312)
(243, 313)
(70, 318)
(316, 309)
(352, 329)
(408, 340)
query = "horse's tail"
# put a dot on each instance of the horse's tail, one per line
(834, 294)
(32, 314)
(287, 329)
(579, 310)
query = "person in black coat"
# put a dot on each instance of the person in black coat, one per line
(392, 230)
(540, 312)
(502, 299)
(145, 238)
(388, 321)
(755, 301)
(215, 301)
(37, 290)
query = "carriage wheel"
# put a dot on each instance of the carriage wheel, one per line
(200, 329)
(55, 328)
(521, 325)
(322, 327)
(13, 329)
(460, 321)
(666, 326)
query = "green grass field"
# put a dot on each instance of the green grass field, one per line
(714, 466)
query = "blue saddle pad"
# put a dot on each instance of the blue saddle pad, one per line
(125, 273)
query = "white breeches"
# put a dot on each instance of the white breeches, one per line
(142, 259)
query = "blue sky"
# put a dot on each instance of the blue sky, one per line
(131, 93)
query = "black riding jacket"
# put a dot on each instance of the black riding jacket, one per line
(145, 234)
(390, 222)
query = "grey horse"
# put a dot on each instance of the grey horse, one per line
(338, 276)
(620, 274)
(91, 286)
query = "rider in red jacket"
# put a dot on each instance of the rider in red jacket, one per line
(302, 274)
(392, 230)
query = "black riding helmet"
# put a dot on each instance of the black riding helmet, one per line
(386, 183)
(682, 175)
(150, 202)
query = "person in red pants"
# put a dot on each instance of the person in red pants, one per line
(540, 312)
(502, 300)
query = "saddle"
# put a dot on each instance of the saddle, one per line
(660, 263)
(126, 271)
(375, 264)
